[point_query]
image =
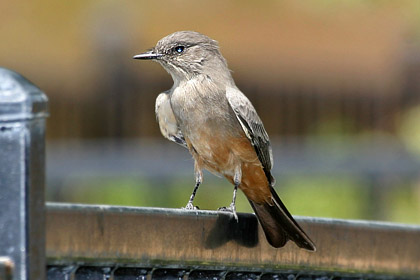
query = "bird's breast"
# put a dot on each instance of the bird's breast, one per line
(211, 129)
(199, 107)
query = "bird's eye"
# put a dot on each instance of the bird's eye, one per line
(179, 49)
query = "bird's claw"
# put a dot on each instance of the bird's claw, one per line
(231, 209)
(190, 206)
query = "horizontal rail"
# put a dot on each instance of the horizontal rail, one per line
(101, 235)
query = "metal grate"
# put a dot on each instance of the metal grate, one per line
(136, 273)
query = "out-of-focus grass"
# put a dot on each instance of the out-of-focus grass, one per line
(319, 196)
(404, 204)
(337, 197)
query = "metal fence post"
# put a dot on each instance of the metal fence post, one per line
(23, 109)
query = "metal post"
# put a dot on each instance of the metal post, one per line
(23, 109)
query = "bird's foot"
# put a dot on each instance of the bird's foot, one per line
(190, 206)
(231, 209)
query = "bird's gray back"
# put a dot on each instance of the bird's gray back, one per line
(253, 127)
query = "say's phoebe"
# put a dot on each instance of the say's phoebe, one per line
(205, 112)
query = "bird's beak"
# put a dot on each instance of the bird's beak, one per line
(148, 55)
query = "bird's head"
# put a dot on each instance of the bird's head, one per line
(185, 54)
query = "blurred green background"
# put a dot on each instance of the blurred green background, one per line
(336, 83)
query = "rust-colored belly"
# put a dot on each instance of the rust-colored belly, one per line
(224, 154)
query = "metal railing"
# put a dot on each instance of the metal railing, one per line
(109, 242)
(156, 239)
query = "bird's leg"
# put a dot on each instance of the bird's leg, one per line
(190, 205)
(232, 206)
(237, 181)
(198, 180)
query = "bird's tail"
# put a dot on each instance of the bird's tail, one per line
(279, 225)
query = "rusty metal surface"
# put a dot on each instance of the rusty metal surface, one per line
(148, 237)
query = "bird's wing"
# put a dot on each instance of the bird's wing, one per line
(166, 119)
(253, 128)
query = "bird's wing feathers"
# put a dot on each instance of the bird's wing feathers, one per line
(166, 119)
(253, 128)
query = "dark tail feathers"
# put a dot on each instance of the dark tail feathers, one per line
(279, 225)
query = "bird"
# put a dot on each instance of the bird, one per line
(206, 113)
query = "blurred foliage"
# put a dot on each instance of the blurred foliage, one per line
(404, 204)
(409, 130)
(322, 196)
